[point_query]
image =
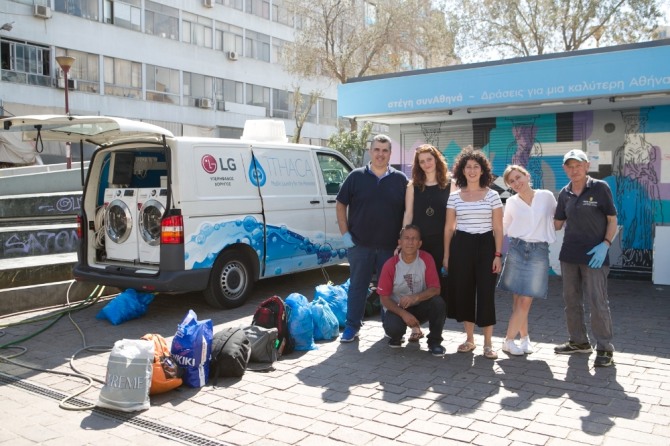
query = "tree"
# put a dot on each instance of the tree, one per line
(352, 144)
(513, 28)
(344, 39)
(301, 109)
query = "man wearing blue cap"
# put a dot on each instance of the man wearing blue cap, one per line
(587, 206)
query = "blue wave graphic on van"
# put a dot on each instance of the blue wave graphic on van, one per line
(287, 250)
(257, 175)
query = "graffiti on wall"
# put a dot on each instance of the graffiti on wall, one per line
(34, 243)
(633, 156)
(70, 204)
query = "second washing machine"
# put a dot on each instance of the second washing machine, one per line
(151, 203)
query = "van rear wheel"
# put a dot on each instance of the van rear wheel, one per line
(231, 281)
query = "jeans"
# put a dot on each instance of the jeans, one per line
(433, 310)
(583, 283)
(363, 262)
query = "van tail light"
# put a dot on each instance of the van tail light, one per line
(172, 230)
(80, 230)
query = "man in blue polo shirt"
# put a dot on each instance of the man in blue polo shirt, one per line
(587, 206)
(370, 208)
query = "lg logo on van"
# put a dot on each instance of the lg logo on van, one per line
(209, 163)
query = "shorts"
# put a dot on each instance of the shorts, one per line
(526, 269)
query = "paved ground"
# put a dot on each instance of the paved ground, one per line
(359, 393)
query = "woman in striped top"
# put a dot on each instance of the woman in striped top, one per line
(473, 237)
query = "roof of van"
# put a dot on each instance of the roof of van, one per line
(94, 129)
(103, 130)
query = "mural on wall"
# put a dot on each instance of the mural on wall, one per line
(630, 149)
(638, 198)
(525, 150)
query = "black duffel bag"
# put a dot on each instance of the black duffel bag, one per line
(231, 351)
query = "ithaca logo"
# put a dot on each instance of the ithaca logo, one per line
(210, 165)
(257, 175)
(184, 360)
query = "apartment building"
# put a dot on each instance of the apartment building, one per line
(195, 67)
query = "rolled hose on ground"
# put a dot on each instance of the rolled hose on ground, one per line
(91, 299)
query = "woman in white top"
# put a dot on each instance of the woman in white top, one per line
(528, 222)
(473, 238)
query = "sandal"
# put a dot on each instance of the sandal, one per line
(466, 347)
(489, 352)
(415, 336)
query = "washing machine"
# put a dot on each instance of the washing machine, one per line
(120, 218)
(151, 204)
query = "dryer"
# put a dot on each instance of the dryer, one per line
(151, 204)
(120, 231)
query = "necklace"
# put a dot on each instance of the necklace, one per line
(429, 210)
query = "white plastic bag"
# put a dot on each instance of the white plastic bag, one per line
(128, 378)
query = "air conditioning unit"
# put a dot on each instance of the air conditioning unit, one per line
(232, 55)
(203, 103)
(71, 83)
(208, 3)
(42, 11)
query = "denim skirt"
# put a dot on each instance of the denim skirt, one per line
(526, 269)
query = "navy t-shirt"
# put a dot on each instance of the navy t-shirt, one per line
(585, 219)
(375, 206)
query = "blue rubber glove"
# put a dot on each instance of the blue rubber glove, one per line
(599, 254)
(347, 240)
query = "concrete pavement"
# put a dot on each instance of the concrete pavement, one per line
(359, 393)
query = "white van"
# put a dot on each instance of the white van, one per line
(176, 214)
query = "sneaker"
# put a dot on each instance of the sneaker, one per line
(395, 343)
(349, 334)
(510, 347)
(437, 350)
(570, 347)
(603, 359)
(525, 345)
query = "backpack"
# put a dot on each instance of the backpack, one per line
(165, 374)
(263, 347)
(373, 304)
(231, 351)
(263, 343)
(273, 313)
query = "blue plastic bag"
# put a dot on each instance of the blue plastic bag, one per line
(192, 349)
(336, 298)
(326, 326)
(300, 322)
(126, 306)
